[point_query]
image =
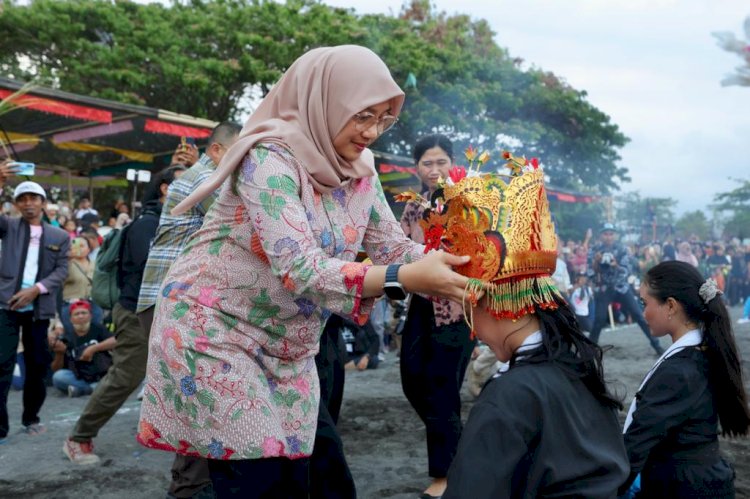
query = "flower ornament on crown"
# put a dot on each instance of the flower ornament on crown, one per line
(503, 222)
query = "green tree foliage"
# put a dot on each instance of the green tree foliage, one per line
(693, 223)
(201, 57)
(196, 58)
(737, 204)
(640, 214)
(572, 220)
(473, 90)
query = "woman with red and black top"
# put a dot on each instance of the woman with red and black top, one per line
(436, 344)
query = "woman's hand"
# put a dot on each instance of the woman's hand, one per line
(433, 275)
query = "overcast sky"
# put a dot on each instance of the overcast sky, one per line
(652, 65)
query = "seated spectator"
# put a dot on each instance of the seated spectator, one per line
(81, 352)
(362, 345)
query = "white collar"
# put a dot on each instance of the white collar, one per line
(529, 343)
(692, 338)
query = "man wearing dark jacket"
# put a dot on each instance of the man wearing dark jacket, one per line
(131, 350)
(33, 266)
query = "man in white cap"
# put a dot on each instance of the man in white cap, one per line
(33, 266)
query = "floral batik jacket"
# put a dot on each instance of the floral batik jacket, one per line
(231, 371)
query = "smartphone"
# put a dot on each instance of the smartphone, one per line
(25, 169)
(186, 143)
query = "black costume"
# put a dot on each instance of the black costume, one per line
(433, 364)
(536, 431)
(673, 439)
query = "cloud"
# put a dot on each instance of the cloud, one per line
(652, 65)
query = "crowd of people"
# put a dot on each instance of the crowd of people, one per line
(241, 298)
(578, 273)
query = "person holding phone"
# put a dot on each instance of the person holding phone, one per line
(33, 266)
(187, 153)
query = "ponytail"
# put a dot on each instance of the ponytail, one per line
(703, 305)
(725, 369)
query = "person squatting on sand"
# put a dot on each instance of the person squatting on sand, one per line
(231, 375)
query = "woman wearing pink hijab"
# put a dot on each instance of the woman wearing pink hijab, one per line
(231, 373)
(685, 254)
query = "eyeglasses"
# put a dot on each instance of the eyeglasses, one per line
(364, 121)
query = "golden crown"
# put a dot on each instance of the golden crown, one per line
(505, 226)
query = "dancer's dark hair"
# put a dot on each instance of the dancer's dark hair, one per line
(564, 344)
(682, 282)
(429, 141)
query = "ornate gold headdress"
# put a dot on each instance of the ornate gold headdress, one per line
(504, 226)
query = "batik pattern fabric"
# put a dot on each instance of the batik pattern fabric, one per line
(231, 371)
(446, 311)
(174, 231)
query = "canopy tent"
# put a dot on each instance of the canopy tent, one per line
(86, 142)
(80, 140)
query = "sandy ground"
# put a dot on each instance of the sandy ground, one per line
(383, 437)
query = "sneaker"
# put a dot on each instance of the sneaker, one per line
(743, 320)
(73, 391)
(80, 452)
(34, 429)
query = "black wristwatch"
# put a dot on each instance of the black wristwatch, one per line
(392, 288)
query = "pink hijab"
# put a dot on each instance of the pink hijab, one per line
(311, 103)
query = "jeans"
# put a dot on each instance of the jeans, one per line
(629, 306)
(64, 378)
(36, 358)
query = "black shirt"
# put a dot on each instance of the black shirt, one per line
(77, 344)
(537, 432)
(136, 246)
(675, 420)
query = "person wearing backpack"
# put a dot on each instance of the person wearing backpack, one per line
(130, 252)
